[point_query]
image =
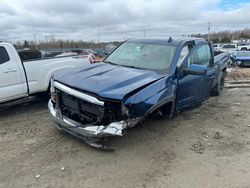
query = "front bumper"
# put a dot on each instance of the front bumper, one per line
(88, 130)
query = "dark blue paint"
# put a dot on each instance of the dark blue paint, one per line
(107, 81)
(244, 60)
(198, 68)
(160, 91)
(143, 91)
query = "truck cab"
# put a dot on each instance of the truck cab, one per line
(12, 77)
(21, 78)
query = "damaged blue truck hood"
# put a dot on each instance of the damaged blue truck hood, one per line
(106, 80)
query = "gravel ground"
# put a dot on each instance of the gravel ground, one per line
(238, 73)
(208, 146)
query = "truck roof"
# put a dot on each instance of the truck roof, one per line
(167, 40)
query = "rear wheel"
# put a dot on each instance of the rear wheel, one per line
(217, 89)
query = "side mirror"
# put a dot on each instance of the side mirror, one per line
(195, 70)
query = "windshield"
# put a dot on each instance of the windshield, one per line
(156, 57)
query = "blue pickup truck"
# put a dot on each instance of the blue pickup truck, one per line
(140, 77)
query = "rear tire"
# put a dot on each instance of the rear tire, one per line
(217, 89)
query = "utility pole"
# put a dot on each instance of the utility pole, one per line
(99, 37)
(208, 31)
(35, 42)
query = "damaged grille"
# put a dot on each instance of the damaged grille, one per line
(112, 112)
(79, 110)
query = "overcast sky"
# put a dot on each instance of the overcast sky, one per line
(118, 19)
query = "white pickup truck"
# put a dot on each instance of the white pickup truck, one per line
(20, 79)
(243, 46)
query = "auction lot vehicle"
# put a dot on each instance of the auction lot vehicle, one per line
(242, 58)
(141, 77)
(229, 48)
(217, 47)
(243, 46)
(20, 79)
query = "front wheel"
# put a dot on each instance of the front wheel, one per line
(217, 89)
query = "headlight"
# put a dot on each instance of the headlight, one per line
(52, 91)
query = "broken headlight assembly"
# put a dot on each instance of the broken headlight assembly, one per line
(52, 91)
(124, 111)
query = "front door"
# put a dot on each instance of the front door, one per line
(193, 89)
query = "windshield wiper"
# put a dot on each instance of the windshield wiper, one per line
(109, 62)
(129, 66)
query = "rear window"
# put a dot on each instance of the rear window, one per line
(30, 54)
(4, 57)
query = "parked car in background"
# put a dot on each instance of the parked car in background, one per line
(83, 54)
(243, 46)
(242, 58)
(141, 77)
(67, 53)
(110, 47)
(101, 52)
(20, 79)
(90, 51)
(229, 48)
(48, 54)
(87, 55)
(217, 47)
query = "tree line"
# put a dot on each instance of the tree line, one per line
(61, 44)
(225, 36)
(216, 37)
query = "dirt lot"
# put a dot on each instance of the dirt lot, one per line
(205, 147)
(238, 73)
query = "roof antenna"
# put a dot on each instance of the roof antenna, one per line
(170, 39)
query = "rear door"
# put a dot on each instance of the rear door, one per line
(193, 89)
(11, 81)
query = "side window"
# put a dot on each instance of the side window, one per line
(4, 57)
(200, 56)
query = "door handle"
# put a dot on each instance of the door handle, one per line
(10, 70)
(210, 76)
